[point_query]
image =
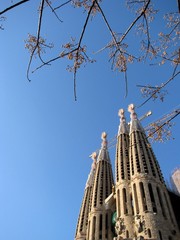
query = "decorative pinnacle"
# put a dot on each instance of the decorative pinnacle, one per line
(104, 141)
(121, 115)
(93, 167)
(131, 108)
(94, 158)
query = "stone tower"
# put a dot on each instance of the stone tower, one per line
(124, 218)
(81, 229)
(143, 206)
(95, 219)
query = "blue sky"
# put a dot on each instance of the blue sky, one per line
(46, 137)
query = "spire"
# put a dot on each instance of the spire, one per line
(151, 206)
(81, 230)
(99, 224)
(135, 124)
(123, 127)
(122, 146)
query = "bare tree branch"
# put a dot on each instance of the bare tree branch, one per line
(13, 6)
(38, 37)
(159, 128)
(53, 10)
(116, 43)
(63, 4)
(162, 86)
(135, 21)
(77, 51)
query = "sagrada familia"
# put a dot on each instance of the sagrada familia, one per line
(137, 206)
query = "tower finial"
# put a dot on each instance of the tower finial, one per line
(121, 115)
(104, 141)
(123, 127)
(131, 109)
(135, 124)
(94, 158)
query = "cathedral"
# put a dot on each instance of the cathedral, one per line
(137, 205)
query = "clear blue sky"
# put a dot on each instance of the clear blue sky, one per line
(46, 137)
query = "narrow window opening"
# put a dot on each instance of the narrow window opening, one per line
(149, 233)
(106, 221)
(127, 234)
(100, 222)
(143, 197)
(118, 203)
(125, 201)
(167, 203)
(136, 199)
(132, 204)
(152, 198)
(94, 227)
(161, 203)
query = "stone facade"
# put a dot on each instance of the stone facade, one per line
(139, 198)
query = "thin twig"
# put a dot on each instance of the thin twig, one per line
(129, 28)
(38, 37)
(163, 85)
(13, 6)
(173, 29)
(107, 23)
(62, 4)
(134, 22)
(178, 112)
(54, 59)
(72, 51)
(148, 35)
(53, 10)
(126, 83)
(79, 45)
(117, 45)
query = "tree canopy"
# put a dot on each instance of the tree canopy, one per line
(144, 32)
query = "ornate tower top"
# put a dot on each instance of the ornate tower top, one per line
(131, 109)
(104, 140)
(94, 158)
(135, 124)
(123, 127)
(103, 153)
(121, 114)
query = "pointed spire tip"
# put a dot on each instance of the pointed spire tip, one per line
(104, 141)
(131, 109)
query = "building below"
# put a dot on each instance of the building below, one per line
(138, 204)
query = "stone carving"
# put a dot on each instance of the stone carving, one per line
(104, 140)
(131, 109)
(119, 226)
(93, 168)
(121, 114)
(94, 158)
(139, 224)
(138, 238)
